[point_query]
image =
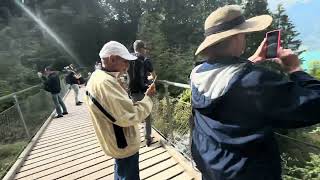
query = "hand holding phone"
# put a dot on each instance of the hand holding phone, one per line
(273, 43)
(151, 91)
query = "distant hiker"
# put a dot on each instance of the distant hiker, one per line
(98, 65)
(140, 75)
(52, 85)
(114, 115)
(73, 79)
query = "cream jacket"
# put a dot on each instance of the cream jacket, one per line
(116, 120)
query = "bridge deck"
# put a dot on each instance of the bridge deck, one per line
(68, 149)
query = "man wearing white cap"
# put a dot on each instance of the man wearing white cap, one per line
(115, 117)
(237, 104)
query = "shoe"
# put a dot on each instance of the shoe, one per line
(78, 103)
(148, 142)
(59, 116)
(65, 113)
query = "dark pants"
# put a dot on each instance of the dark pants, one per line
(147, 125)
(127, 168)
(58, 103)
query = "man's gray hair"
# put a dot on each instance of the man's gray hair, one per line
(138, 44)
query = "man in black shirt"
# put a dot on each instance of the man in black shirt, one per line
(141, 74)
(52, 85)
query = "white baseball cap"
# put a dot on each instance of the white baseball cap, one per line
(116, 48)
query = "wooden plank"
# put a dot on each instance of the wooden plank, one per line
(68, 122)
(66, 133)
(153, 170)
(66, 168)
(59, 150)
(183, 176)
(55, 154)
(65, 130)
(60, 141)
(89, 171)
(84, 166)
(37, 162)
(25, 171)
(168, 173)
(65, 143)
(103, 170)
(186, 164)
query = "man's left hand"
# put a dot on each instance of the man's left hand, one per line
(260, 53)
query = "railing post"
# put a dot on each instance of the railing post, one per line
(169, 112)
(21, 115)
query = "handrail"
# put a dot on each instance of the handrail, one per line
(293, 139)
(186, 86)
(19, 92)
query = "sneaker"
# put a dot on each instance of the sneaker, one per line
(59, 116)
(65, 113)
(78, 103)
(148, 141)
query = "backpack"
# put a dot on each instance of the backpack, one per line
(136, 76)
(68, 79)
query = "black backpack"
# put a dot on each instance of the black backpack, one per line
(68, 78)
(136, 75)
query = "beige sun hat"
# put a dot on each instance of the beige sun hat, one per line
(228, 21)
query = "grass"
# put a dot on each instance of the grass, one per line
(8, 155)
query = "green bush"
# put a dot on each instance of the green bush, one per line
(8, 155)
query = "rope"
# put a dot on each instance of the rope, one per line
(293, 139)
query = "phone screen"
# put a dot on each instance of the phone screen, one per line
(272, 44)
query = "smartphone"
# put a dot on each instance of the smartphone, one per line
(273, 43)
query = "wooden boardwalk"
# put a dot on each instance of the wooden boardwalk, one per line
(68, 149)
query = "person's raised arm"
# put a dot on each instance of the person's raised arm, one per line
(285, 104)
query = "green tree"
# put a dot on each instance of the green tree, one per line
(251, 9)
(314, 68)
(288, 32)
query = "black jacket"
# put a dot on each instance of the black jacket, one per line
(52, 84)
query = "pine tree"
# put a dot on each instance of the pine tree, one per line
(251, 9)
(288, 33)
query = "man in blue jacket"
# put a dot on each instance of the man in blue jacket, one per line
(237, 104)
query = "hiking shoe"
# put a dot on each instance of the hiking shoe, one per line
(148, 141)
(59, 116)
(65, 113)
(78, 103)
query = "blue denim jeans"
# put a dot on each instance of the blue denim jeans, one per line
(127, 168)
(75, 88)
(58, 103)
